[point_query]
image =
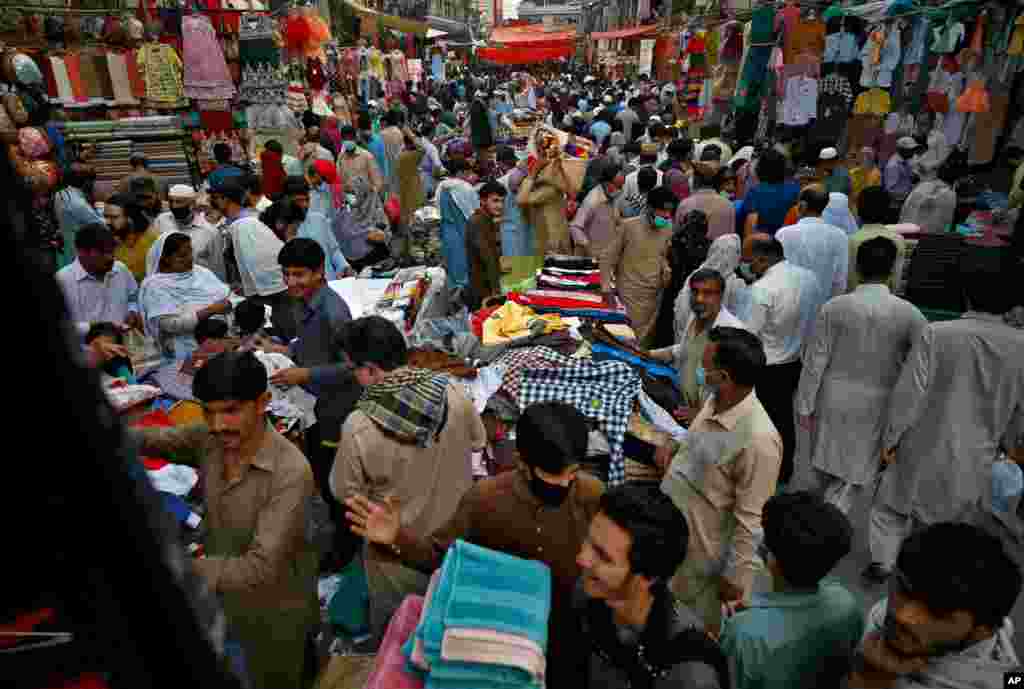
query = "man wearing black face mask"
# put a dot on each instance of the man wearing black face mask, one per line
(207, 242)
(540, 511)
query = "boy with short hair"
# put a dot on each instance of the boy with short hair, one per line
(483, 245)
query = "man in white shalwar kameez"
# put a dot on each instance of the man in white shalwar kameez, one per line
(961, 392)
(851, 364)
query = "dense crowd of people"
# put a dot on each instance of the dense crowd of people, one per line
(765, 277)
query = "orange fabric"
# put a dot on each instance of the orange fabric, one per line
(632, 32)
(807, 37)
(533, 35)
(524, 55)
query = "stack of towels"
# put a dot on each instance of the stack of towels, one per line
(484, 622)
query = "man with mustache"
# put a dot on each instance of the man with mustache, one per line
(257, 487)
(944, 622)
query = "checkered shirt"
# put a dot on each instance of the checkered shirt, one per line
(603, 392)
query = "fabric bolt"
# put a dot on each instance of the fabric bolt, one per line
(602, 392)
(206, 71)
(117, 65)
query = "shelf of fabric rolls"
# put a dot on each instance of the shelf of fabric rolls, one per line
(162, 139)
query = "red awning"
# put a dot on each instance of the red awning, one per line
(532, 35)
(633, 32)
(524, 55)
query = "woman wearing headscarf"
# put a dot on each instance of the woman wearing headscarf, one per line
(688, 250)
(865, 174)
(362, 228)
(175, 297)
(837, 213)
(723, 256)
(457, 200)
(272, 170)
(325, 190)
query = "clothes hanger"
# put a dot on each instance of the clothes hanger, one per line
(40, 640)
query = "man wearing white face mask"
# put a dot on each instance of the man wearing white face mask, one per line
(207, 243)
(355, 161)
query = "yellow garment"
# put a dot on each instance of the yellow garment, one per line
(873, 102)
(1016, 46)
(861, 179)
(135, 256)
(513, 320)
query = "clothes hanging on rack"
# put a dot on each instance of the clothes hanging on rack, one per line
(206, 71)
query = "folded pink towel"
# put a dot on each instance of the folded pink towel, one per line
(418, 658)
(487, 646)
(389, 667)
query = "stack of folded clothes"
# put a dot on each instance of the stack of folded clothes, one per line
(570, 273)
(571, 305)
(484, 622)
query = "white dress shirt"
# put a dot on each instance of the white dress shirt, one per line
(782, 310)
(822, 249)
(91, 300)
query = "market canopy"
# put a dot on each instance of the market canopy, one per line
(525, 55)
(533, 35)
(632, 32)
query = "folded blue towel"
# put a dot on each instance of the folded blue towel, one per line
(482, 588)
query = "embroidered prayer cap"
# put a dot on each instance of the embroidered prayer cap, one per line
(906, 143)
(829, 153)
(181, 191)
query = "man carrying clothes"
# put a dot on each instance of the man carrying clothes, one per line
(320, 368)
(257, 488)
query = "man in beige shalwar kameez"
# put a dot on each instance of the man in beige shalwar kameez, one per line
(636, 258)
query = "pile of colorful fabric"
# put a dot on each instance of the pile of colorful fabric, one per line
(570, 273)
(571, 305)
(484, 622)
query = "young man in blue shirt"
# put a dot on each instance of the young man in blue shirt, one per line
(803, 633)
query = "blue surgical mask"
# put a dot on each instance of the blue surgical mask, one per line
(662, 223)
(348, 146)
(746, 272)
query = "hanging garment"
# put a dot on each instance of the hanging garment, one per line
(988, 126)
(953, 125)
(256, 41)
(879, 59)
(873, 102)
(841, 48)
(806, 38)
(161, 68)
(801, 102)
(975, 97)
(834, 99)
(947, 37)
(206, 70)
(1016, 45)
(914, 54)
